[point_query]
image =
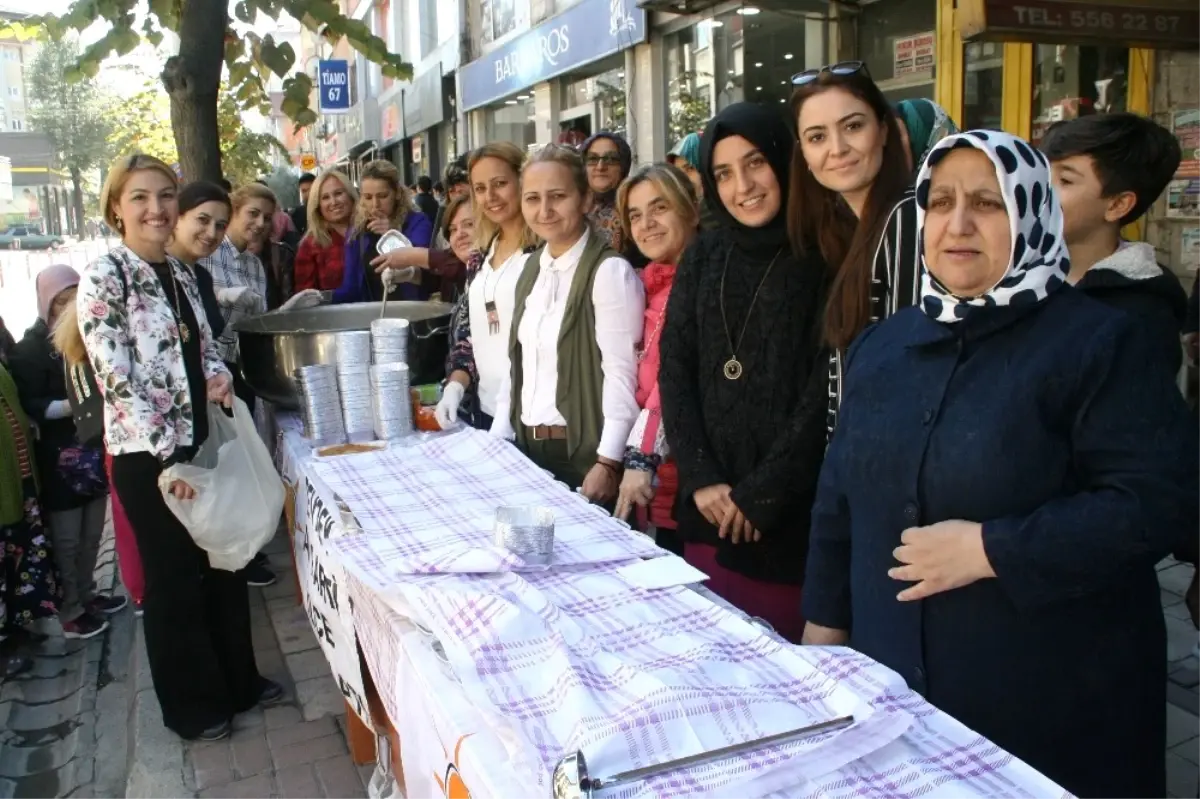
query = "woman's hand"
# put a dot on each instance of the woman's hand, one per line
(379, 225)
(713, 501)
(736, 526)
(220, 389)
(637, 488)
(182, 490)
(816, 635)
(940, 557)
(600, 484)
(401, 258)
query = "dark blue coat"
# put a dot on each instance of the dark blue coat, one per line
(1045, 425)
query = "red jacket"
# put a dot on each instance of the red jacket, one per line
(648, 437)
(320, 267)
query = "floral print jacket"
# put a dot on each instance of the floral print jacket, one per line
(132, 338)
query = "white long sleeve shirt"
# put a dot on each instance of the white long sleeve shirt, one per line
(494, 283)
(619, 302)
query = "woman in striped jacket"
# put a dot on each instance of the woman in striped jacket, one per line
(851, 195)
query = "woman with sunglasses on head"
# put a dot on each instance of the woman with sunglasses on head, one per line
(480, 326)
(569, 400)
(384, 203)
(851, 198)
(741, 341)
(658, 206)
(144, 327)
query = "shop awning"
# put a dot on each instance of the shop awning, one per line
(1161, 24)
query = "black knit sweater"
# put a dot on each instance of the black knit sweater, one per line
(764, 433)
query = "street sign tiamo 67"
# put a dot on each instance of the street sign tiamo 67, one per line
(333, 82)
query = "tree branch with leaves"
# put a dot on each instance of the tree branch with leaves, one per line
(210, 43)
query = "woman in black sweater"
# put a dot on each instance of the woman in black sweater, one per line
(738, 350)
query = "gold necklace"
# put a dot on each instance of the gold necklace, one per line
(733, 367)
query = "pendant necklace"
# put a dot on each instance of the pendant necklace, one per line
(733, 367)
(185, 334)
(493, 315)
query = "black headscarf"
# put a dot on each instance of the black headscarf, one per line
(766, 129)
(623, 151)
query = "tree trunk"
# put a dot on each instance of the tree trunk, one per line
(77, 201)
(192, 80)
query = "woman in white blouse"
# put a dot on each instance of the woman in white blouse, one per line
(570, 402)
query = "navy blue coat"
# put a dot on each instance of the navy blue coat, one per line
(1045, 425)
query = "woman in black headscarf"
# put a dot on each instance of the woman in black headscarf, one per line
(738, 349)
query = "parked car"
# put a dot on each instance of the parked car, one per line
(25, 237)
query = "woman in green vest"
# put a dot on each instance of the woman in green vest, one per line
(570, 401)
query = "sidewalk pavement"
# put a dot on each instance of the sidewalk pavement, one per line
(1183, 700)
(295, 749)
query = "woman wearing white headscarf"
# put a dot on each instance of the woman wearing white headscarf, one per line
(1005, 475)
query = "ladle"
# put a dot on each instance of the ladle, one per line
(572, 781)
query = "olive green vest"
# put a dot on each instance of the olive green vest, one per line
(580, 378)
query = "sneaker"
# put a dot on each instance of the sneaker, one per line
(261, 560)
(272, 693)
(107, 605)
(259, 576)
(85, 626)
(216, 732)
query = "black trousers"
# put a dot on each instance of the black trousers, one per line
(197, 618)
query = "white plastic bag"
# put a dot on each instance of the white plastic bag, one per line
(239, 495)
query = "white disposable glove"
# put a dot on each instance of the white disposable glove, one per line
(238, 297)
(447, 407)
(502, 428)
(309, 298)
(58, 409)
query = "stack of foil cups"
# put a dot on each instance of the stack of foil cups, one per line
(389, 340)
(354, 383)
(526, 531)
(393, 403)
(320, 406)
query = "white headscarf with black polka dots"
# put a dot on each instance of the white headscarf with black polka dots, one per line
(1039, 264)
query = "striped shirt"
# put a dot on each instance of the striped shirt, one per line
(895, 283)
(232, 269)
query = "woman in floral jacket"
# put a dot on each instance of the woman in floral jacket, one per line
(150, 345)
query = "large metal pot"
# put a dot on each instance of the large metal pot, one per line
(274, 344)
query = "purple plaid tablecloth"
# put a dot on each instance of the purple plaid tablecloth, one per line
(505, 670)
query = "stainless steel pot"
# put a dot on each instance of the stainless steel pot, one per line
(274, 344)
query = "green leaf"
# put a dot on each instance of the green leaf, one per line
(279, 59)
(245, 12)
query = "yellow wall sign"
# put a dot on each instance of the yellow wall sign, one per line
(308, 162)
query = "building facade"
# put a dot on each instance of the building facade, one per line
(15, 56)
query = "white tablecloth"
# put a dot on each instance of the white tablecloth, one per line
(512, 668)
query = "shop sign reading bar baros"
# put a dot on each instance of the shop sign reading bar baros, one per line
(1167, 24)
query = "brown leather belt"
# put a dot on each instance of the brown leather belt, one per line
(547, 432)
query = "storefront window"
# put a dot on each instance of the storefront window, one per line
(983, 85)
(746, 54)
(1071, 81)
(595, 102)
(897, 40)
(512, 120)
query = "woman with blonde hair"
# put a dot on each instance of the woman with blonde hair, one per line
(569, 400)
(657, 206)
(383, 204)
(321, 257)
(144, 328)
(479, 331)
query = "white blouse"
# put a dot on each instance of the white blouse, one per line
(498, 285)
(619, 302)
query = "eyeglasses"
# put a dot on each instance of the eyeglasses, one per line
(608, 159)
(842, 68)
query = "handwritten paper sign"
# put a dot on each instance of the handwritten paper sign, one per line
(326, 597)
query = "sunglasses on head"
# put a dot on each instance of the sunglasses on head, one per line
(608, 159)
(840, 68)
